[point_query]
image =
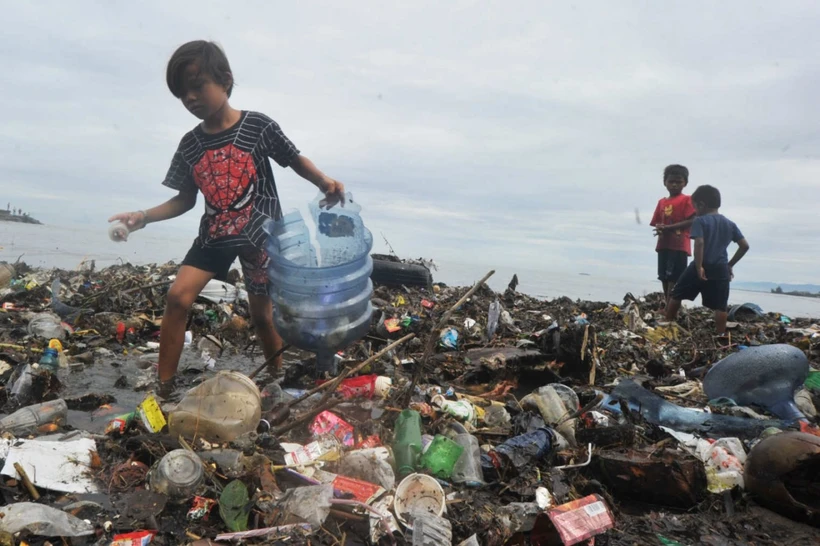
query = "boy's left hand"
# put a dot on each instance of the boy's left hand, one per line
(731, 274)
(334, 193)
(702, 274)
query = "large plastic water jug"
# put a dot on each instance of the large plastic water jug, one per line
(219, 409)
(321, 299)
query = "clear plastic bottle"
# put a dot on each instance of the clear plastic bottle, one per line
(468, 467)
(118, 232)
(27, 420)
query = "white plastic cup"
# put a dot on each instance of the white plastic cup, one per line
(418, 493)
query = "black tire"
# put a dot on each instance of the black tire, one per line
(397, 274)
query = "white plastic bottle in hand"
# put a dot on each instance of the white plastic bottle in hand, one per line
(118, 232)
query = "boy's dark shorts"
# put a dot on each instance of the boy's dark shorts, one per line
(714, 292)
(671, 264)
(254, 262)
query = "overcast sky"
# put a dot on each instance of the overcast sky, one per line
(480, 132)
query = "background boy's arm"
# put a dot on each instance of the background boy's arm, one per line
(742, 249)
(175, 206)
(686, 224)
(699, 258)
(333, 189)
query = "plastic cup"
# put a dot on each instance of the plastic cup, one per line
(178, 474)
(418, 493)
(118, 232)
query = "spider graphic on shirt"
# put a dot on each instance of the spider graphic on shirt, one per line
(226, 177)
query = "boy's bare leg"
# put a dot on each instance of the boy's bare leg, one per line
(672, 308)
(261, 309)
(666, 290)
(181, 296)
(720, 322)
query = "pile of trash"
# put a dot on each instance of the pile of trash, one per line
(462, 416)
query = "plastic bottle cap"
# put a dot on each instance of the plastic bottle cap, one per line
(382, 386)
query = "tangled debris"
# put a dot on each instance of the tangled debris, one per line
(515, 420)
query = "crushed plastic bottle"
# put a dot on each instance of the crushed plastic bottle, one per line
(462, 410)
(27, 420)
(431, 530)
(468, 467)
(441, 456)
(366, 386)
(492, 321)
(554, 411)
(321, 307)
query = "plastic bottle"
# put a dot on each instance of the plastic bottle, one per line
(219, 409)
(441, 457)
(496, 416)
(517, 452)
(552, 408)
(118, 232)
(461, 410)
(178, 474)
(493, 315)
(50, 360)
(28, 420)
(468, 467)
(407, 442)
(366, 386)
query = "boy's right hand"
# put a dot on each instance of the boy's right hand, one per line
(132, 220)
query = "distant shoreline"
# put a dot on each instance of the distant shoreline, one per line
(6, 216)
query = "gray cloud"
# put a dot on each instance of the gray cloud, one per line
(520, 134)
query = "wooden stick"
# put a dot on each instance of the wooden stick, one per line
(269, 361)
(27, 482)
(335, 382)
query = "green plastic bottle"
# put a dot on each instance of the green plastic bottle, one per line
(441, 457)
(407, 442)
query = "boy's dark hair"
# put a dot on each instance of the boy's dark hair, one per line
(211, 61)
(708, 195)
(676, 170)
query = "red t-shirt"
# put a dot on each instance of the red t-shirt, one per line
(673, 210)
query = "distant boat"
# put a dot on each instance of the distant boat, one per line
(7, 216)
(585, 274)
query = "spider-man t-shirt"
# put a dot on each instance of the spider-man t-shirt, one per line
(232, 171)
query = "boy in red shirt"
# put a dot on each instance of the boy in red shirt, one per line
(672, 219)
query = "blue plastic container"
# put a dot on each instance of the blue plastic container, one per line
(322, 305)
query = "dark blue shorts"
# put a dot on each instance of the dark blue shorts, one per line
(714, 292)
(671, 264)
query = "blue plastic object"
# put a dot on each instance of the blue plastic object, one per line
(50, 360)
(658, 411)
(321, 305)
(766, 376)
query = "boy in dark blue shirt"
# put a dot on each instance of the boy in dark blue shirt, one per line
(709, 275)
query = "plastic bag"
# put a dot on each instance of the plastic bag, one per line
(42, 520)
(311, 503)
